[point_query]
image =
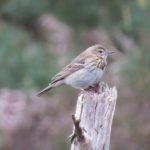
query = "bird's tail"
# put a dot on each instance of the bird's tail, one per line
(49, 87)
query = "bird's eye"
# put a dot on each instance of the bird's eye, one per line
(100, 50)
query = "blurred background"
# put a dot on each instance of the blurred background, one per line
(37, 38)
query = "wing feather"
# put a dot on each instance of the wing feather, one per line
(75, 65)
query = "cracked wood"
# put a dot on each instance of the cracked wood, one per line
(93, 118)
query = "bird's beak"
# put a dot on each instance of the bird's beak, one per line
(110, 52)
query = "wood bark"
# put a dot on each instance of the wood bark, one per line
(93, 118)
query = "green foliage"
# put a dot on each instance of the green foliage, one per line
(23, 10)
(77, 13)
(24, 63)
(140, 11)
(88, 13)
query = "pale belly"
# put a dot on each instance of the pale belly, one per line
(84, 78)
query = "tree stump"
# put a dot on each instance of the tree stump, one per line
(93, 118)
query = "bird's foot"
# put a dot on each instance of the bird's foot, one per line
(92, 88)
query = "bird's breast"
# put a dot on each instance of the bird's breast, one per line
(84, 78)
(95, 63)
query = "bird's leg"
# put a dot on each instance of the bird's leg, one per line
(92, 88)
(96, 87)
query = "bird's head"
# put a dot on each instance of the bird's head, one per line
(101, 51)
(98, 54)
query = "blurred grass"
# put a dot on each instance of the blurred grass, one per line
(24, 62)
(23, 10)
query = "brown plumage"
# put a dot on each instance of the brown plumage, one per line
(93, 57)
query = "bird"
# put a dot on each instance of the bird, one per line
(84, 71)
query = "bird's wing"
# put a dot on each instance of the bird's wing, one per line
(75, 65)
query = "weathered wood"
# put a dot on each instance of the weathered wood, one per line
(93, 118)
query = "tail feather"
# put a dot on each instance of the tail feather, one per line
(49, 87)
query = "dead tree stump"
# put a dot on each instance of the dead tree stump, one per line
(93, 118)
